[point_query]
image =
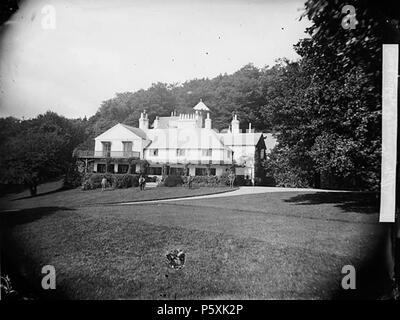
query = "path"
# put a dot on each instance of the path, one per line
(238, 192)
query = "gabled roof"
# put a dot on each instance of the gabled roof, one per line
(138, 132)
(193, 138)
(201, 106)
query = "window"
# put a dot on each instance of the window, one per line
(262, 154)
(110, 168)
(213, 171)
(154, 171)
(180, 152)
(106, 149)
(154, 152)
(127, 147)
(207, 152)
(228, 154)
(101, 168)
(201, 171)
(123, 168)
(177, 171)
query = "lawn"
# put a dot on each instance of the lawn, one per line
(50, 194)
(286, 245)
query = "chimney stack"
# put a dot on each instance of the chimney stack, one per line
(235, 124)
(155, 123)
(207, 122)
(144, 121)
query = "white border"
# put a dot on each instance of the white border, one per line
(389, 132)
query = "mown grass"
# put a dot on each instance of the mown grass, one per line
(78, 197)
(265, 246)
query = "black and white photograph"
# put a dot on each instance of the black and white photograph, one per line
(199, 150)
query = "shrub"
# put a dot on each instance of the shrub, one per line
(120, 181)
(173, 181)
(204, 181)
(73, 178)
(93, 180)
(151, 178)
(240, 180)
(224, 179)
(86, 185)
(208, 181)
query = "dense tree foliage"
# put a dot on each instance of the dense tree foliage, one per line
(330, 118)
(37, 150)
(224, 94)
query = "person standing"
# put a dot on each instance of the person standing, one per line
(103, 183)
(231, 177)
(141, 183)
(158, 180)
(190, 180)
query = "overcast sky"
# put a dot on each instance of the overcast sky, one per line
(101, 47)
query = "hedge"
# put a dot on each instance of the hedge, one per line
(213, 181)
(117, 181)
(208, 181)
(151, 178)
(173, 181)
(217, 181)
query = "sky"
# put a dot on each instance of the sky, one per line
(68, 56)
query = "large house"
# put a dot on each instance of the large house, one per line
(180, 144)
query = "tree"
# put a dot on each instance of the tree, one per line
(223, 94)
(32, 159)
(41, 150)
(329, 120)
